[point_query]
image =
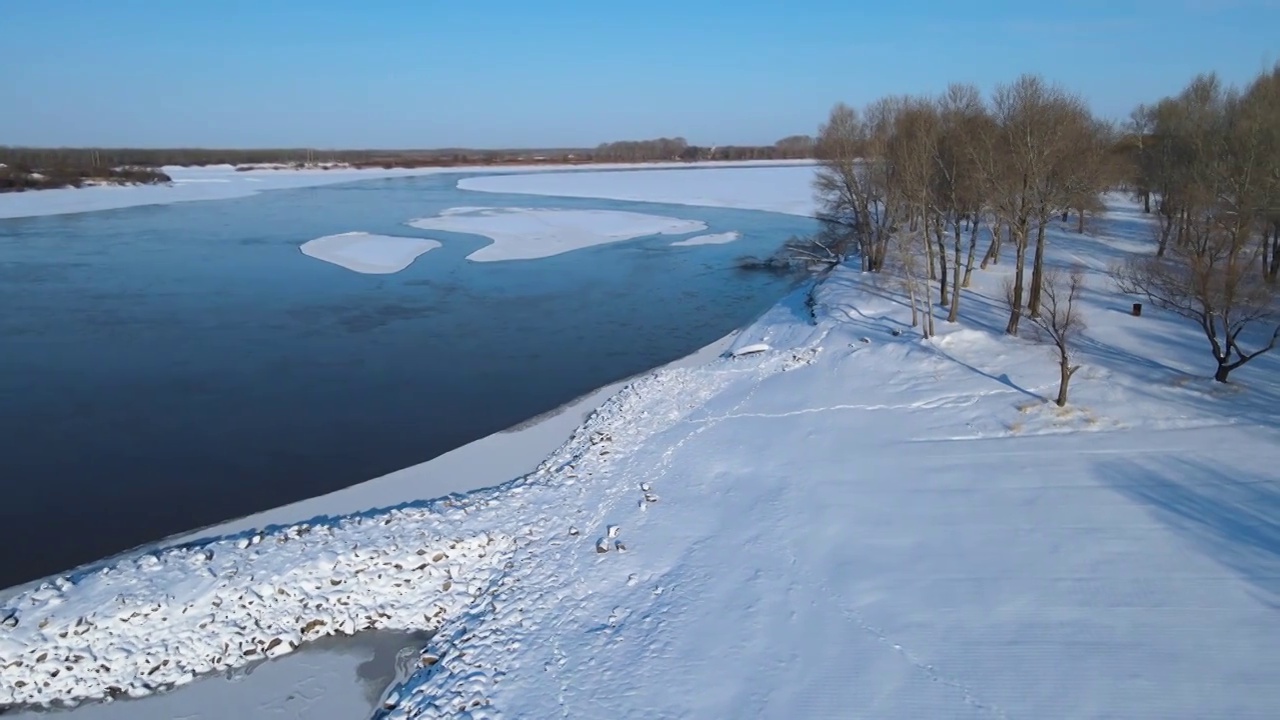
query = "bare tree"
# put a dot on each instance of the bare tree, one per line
(1139, 127)
(1217, 173)
(1059, 322)
(907, 262)
(1215, 285)
(840, 183)
(1026, 169)
(957, 181)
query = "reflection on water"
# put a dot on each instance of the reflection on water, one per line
(329, 679)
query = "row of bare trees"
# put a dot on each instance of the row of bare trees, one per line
(790, 147)
(1208, 159)
(915, 178)
(914, 184)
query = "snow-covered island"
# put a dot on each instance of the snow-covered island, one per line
(363, 252)
(845, 520)
(530, 233)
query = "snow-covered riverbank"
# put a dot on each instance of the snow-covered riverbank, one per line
(852, 521)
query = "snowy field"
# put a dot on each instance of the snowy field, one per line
(222, 182)
(850, 522)
(530, 233)
(363, 252)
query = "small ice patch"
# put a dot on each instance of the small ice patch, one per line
(714, 239)
(364, 253)
(530, 233)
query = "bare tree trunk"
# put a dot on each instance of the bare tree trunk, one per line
(1080, 222)
(1037, 274)
(928, 306)
(973, 247)
(1166, 229)
(1146, 202)
(954, 314)
(915, 312)
(938, 236)
(993, 250)
(1066, 372)
(928, 249)
(1265, 265)
(1274, 268)
(1224, 369)
(1015, 302)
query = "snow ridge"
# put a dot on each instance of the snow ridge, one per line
(159, 620)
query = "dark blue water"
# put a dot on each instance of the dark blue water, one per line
(163, 368)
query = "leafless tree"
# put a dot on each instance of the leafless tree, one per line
(1215, 166)
(1027, 164)
(854, 183)
(1060, 321)
(907, 261)
(957, 179)
(1215, 284)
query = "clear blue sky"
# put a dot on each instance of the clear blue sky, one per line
(506, 73)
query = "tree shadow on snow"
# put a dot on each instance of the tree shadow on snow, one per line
(1231, 516)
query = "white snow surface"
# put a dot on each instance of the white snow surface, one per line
(781, 188)
(712, 239)
(367, 253)
(851, 523)
(222, 182)
(529, 233)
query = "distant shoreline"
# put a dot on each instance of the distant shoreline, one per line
(23, 169)
(223, 182)
(16, 179)
(63, 178)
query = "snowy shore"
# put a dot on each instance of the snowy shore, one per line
(857, 520)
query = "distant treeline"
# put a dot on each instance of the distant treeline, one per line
(23, 168)
(672, 149)
(788, 148)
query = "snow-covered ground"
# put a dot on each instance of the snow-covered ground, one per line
(781, 188)
(711, 239)
(851, 522)
(222, 182)
(529, 233)
(363, 252)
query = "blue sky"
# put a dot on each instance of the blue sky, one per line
(507, 73)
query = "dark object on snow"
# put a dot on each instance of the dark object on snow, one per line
(1137, 309)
